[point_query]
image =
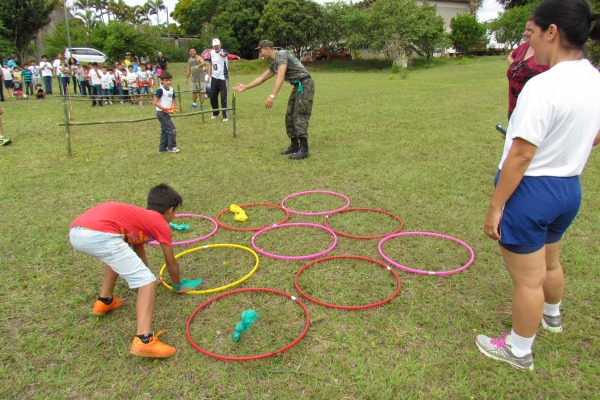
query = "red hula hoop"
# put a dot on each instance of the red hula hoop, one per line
(348, 307)
(315, 191)
(155, 243)
(234, 228)
(247, 358)
(418, 271)
(363, 209)
(264, 253)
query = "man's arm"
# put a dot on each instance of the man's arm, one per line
(256, 82)
(278, 83)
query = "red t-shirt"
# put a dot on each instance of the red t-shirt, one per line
(519, 72)
(137, 224)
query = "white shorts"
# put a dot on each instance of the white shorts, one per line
(112, 250)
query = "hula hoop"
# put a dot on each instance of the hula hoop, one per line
(233, 228)
(218, 289)
(264, 253)
(363, 209)
(348, 307)
(247, 358)
(314, 213)
(418, 271)
(155, 243)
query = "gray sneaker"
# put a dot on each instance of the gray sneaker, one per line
(174, 150)
(552, 323)
(499, 349)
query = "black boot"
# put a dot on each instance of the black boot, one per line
(294, 147)
(302, 151)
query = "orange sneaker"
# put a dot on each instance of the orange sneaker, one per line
(102, 309)
(154, 349)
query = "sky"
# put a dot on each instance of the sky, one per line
(489, 9)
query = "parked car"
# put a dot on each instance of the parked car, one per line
(206, 55)
(325, 53)
(85, 55)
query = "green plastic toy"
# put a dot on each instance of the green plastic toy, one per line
(179, 227)
(248, 318)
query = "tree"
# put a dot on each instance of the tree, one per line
(509, 26)
(508, 4)
(23, 20)
(193, 15)
(236, 26)
(467, 32)
(397, 27)
(118, 37)
(291, 23)
(157, 6)
(343, 24)
(57, 41)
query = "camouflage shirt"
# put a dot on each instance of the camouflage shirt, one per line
(295, 69)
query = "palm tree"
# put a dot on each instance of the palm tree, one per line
(122, 11)
(103, 7)
(142, 14)
(89, 18)
(157, 6)
(83, 4)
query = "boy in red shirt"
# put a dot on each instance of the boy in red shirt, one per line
(116, 233)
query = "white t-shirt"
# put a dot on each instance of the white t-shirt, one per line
(35, 71)
(107, 81)
(558, 111)
(56, 65)
(131, 79)
(7, 74)
(46, 68)
(165, 97)
(219, 65)
(95, 77)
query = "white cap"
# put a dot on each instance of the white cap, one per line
(216, 42)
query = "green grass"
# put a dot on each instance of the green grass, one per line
(422, 148)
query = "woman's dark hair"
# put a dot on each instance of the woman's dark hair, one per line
(162, 197)
(574, 19)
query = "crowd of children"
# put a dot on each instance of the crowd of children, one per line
(124, 82)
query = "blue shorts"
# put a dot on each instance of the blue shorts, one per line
(539, 212)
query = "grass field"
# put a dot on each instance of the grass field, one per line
(420, 145)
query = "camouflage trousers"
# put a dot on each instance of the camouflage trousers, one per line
(299, 109)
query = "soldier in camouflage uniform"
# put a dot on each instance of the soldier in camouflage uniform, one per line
(288, 68)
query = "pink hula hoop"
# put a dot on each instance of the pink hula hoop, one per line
(315, 213)
(249, 358)
(155, 243)
(264, 253)
(418, 271)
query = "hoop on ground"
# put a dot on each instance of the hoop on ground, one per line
(155, 243)
(211, 246)
(247, 358)
(264, 253)
(418, 271)
(310, 192)
(363, 209)
(394, 274)
(234, 228)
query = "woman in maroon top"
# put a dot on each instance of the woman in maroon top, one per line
(522, 68)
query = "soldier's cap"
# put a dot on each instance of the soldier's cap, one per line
(264, 43)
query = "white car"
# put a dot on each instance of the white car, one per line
(85, 55)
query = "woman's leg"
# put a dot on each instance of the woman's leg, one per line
(528, 272)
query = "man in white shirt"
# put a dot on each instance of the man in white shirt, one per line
(47, 72)
(56, 66)
(219, 75)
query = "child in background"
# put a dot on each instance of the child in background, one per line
(124, 84)
(18, 83)
(116, 233)
(132, 84)
(39, 92)
(95, 84)
(8, 80)
(35, 73)
(165, 96)
(27, 80)
(80, 79)
(144, 82)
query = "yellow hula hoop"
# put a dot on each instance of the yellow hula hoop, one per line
(218, 289)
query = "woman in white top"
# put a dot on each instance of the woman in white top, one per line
(550, 136)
